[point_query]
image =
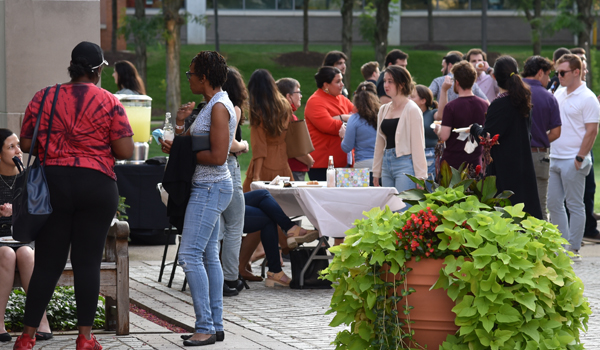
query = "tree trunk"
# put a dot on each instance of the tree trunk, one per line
(217, 42)
(484, 22)
(347, 14)
(115, 26)
(140, 46)
(382, 20)
(584, 9)
(430, 21)
(536, 30)
(173, 23)
(305, 26)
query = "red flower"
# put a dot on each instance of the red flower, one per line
(477, 170)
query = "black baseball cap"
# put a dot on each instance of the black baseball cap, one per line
(90, 52)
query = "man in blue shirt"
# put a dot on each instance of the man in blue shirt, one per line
(546, 122)
(436, 85)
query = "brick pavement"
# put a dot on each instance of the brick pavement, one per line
(260, 318)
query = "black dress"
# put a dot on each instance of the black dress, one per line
(6, 196)
(512, 162)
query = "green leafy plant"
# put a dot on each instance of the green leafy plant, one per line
(61, 311)
(122, 209)
(511, 279)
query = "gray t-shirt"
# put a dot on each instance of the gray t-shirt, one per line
(213, 173)
(436, 88)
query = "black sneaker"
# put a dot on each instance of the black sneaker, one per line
(595, 238)
(229, 292)
(237, 284)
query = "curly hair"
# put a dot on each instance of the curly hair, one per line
(426, 94)
(80, 67)
(212, 65)
(507, 75)
(402, 78)
(236, 89)
(268, 108)
(367, 103)
(128, 77)
(534, 64)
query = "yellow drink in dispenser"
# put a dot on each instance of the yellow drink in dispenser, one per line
(138, 109)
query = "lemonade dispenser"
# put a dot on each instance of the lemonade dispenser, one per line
(138, 109)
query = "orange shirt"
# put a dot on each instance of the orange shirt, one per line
(320, 109)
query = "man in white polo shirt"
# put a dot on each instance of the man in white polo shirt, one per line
(570, 159)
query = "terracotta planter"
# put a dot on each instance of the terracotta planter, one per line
(432, 313)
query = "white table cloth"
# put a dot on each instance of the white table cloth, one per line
(331, 210)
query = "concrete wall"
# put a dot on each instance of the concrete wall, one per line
(36, 39)
(278, 27)
(464, 27)
(450, 27)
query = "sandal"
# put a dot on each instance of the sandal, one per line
(294, 237)
(279, 278)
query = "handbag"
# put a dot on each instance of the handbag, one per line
(31, 199)
(298, 258)
(201, 142)
(298, 140)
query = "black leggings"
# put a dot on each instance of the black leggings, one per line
(84, 201)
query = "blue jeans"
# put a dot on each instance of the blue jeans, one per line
(430, 155)
(394, 170)
(199, 252)
(232, 224)
(264, 214)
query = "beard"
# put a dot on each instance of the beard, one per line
(454, 88)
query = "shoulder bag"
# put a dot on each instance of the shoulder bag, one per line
(31, 199)
(298, 140)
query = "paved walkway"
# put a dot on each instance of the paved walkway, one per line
(263, 318)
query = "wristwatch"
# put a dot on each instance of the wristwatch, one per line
(579, 159)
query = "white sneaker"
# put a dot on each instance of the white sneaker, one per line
(576, 257)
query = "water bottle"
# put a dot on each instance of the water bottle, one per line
(168, 132)
(331, 173)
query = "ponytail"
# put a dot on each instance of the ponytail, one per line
(434, 105)
(507, 76)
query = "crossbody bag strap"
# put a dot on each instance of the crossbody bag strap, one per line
(37, 126)
(50, 122)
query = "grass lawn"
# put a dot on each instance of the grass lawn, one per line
(423, 65)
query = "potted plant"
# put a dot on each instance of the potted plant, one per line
(506, 273)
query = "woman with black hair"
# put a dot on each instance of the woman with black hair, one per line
(325, 112)
(89, 130)
(13, 254)
(270, 114)
(127, 79)
(211, 193)
(509, 117)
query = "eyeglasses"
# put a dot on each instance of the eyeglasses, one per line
(189, 74)
(563, 72)
(297, 92)
(103, 62)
